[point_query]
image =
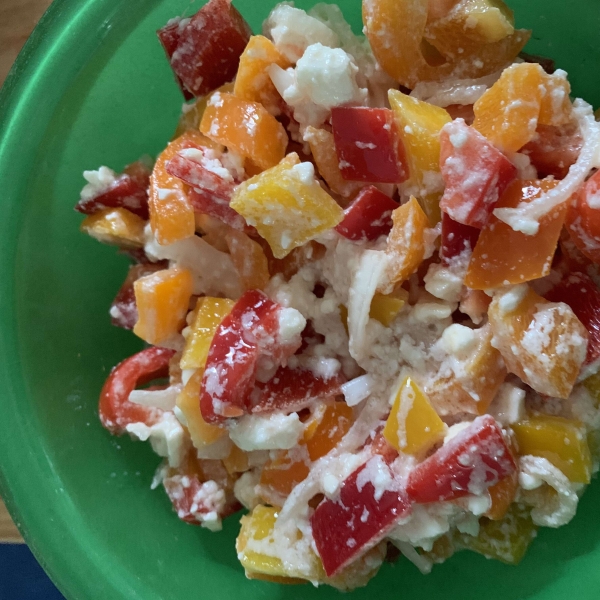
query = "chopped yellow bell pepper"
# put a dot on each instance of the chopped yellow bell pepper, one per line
(419, 125)
(116, 226)
(506, 540)
(287, 205)
(561, 441)
(202, 433)
(209, 313)
(162, 301)
(386, 308)
(413, 426)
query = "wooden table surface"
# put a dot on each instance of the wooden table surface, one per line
(17, 19)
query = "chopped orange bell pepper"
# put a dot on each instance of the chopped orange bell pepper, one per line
(191, 114)
(209, 313)
(245, 127)
(287, 205)
(502, 495)
(413, 426)
(252, 81)
(236, 461)
(561, 441)
(507, 114)
(202, 433)
(503, 256)
(555, 107)
(249, 260)
(162, 301)
(115, 226)
(542, 342)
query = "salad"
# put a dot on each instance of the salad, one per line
(366, 271)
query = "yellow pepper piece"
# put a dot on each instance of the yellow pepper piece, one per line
(406, 242)
(258, 526)
(116, 226)
(287, 205)
(162, 300)
(413, 425)
(202, 433)
(561, 441)
(252, 81)
(386, 308)
(506, 540)
(209, 313)
(419, 125)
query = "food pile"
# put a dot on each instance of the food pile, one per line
(366, 270)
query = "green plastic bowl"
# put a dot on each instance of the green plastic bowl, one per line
(92, 87)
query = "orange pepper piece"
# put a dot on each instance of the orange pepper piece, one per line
(395, 29)
(245, 127)
(330, 426)
(406, 242)
(116, 226)
(236, 461)
(162, 301)
(507, 114)
(322, 146)
(249, 260)
(503, 256)
(252, 81)
(556, 108)
(502, 495)
(171, 214)
(542, 342)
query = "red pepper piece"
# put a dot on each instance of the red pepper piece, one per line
(169, 38)
(469, 463)
(293, 389)
(248, 333)
(368, 216)
(583, 296)
(367, 145)
(116, 411)
(583, 218)
(205, 50)
(475, 174)
(129, 190)
(456, 238)
(369, 505)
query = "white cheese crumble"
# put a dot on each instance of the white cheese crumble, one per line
(99, 182)
(163, 399)
(275, 431)
(509, 404)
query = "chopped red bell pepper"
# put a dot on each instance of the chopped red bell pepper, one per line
(475, 174)
(210, 193)
(583, 296)
(292, 389)
(583, 218)
(368, 216)
(249, 333)
(129, 190)
(123, 310)
(476, 458)
(204, 50)
(116, 411)
(456, 238)
(554, 149)
(370, 503)
(367, 145)
(169, 38)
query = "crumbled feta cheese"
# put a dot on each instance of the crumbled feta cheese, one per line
(358, 389)
(459, 340)
(99, 182)
(245, 489)
(269, 432)
(163, 399)
(509, 404)
(511, 298)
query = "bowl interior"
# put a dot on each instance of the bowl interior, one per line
(93, 88)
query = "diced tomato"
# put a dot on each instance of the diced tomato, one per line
(475, 459)
(293, 389)
(116, 411)
(583, 218)
(248, 333)
(345, 528)
(475, 174)
(129, 190)
(456, 238)
(583, 296)
(169, 38)
(368, 217)
(123, 310)
(553, 150)
(210, 193)
(205, 50)
(367, 145)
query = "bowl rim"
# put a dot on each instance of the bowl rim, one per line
(39, 72)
